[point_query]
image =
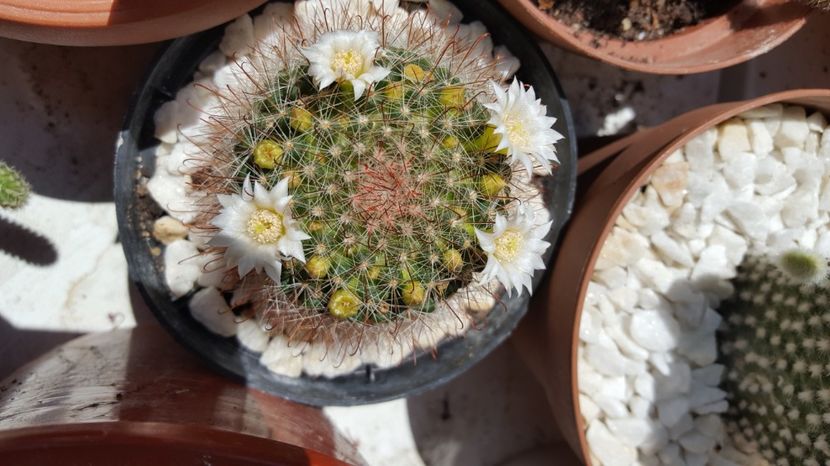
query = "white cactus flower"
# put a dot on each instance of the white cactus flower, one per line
(514, 249)
(521, 121)
(345, 56)
(257, 229)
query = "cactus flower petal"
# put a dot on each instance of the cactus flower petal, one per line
(514, 250)
(341, 56)
(257, 229)
(525, 129)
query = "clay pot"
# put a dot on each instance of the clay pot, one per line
(425, 370)
(751, 28)
(548, 339)
(113, 22)
(134, 397)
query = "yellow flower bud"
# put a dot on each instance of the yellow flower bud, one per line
(343, 304)
(450, 142)
(492, 184)
(489, 141)
(301, 119)
(413, 293)
(318, 267)
(414, 72)
(393, 91)
(452, 260)
(267, 154)
(452, 96)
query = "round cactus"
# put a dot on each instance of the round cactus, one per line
(776, 347)
(368, 164)
(14, 189)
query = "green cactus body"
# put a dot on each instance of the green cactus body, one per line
(777, 349)
(14, 190)
(390, 186)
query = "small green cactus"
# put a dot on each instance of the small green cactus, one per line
(14, 189)
(776, 347)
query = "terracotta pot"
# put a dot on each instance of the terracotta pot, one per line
(113, 22)
(549, 338)
(136, 398)
(751, 28)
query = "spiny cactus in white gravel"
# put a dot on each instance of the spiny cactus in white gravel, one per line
(777, 349)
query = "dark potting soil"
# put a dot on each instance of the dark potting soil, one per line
(634, 19)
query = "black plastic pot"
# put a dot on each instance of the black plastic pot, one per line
(135, 159)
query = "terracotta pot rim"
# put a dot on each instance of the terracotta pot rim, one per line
(652, 160)
(583, 40)
(110, 22)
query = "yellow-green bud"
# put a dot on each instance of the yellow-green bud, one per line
(489, 141)
(301, 119)
(343, 304)
(393, 91)
(492, 184)
(413, 293)
(318, 267)
(452, 260)
(452, 96)
(414, 72)
(267, 154)
(450, 142)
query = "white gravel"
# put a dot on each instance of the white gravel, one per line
(648, 379)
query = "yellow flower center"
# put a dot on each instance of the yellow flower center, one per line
(508, 245)
(517, 134)
(265, 226)
(347, 63)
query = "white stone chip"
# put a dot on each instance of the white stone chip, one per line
(654, 330)
(671, 411)
(671, 249)
(211, 310)
(282, 359)
(696, 442)
(734, 139)
(794, 128)
(239, 37)
(251, 335)
(182, 267)
(630, 431)
(607, 448)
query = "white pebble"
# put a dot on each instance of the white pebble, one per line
(694, 459)
(702, 395)
(606, 447)
(612, 407)
(759, 137)
(654, 330)
(609, 361)
(672, 410)
(251, 335)
(641, 407)
(749, 218)
(710, 375)
(733, 139)
(211, 310)
(670, 455)
(630, 431)
(671, 249)
(677, 382)
(681, 427)
(793, 131)
(182, 267)
(281, 359)
(670, 180)
(239, 37)
(696, 442)
(626, 344)
(710, 425)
